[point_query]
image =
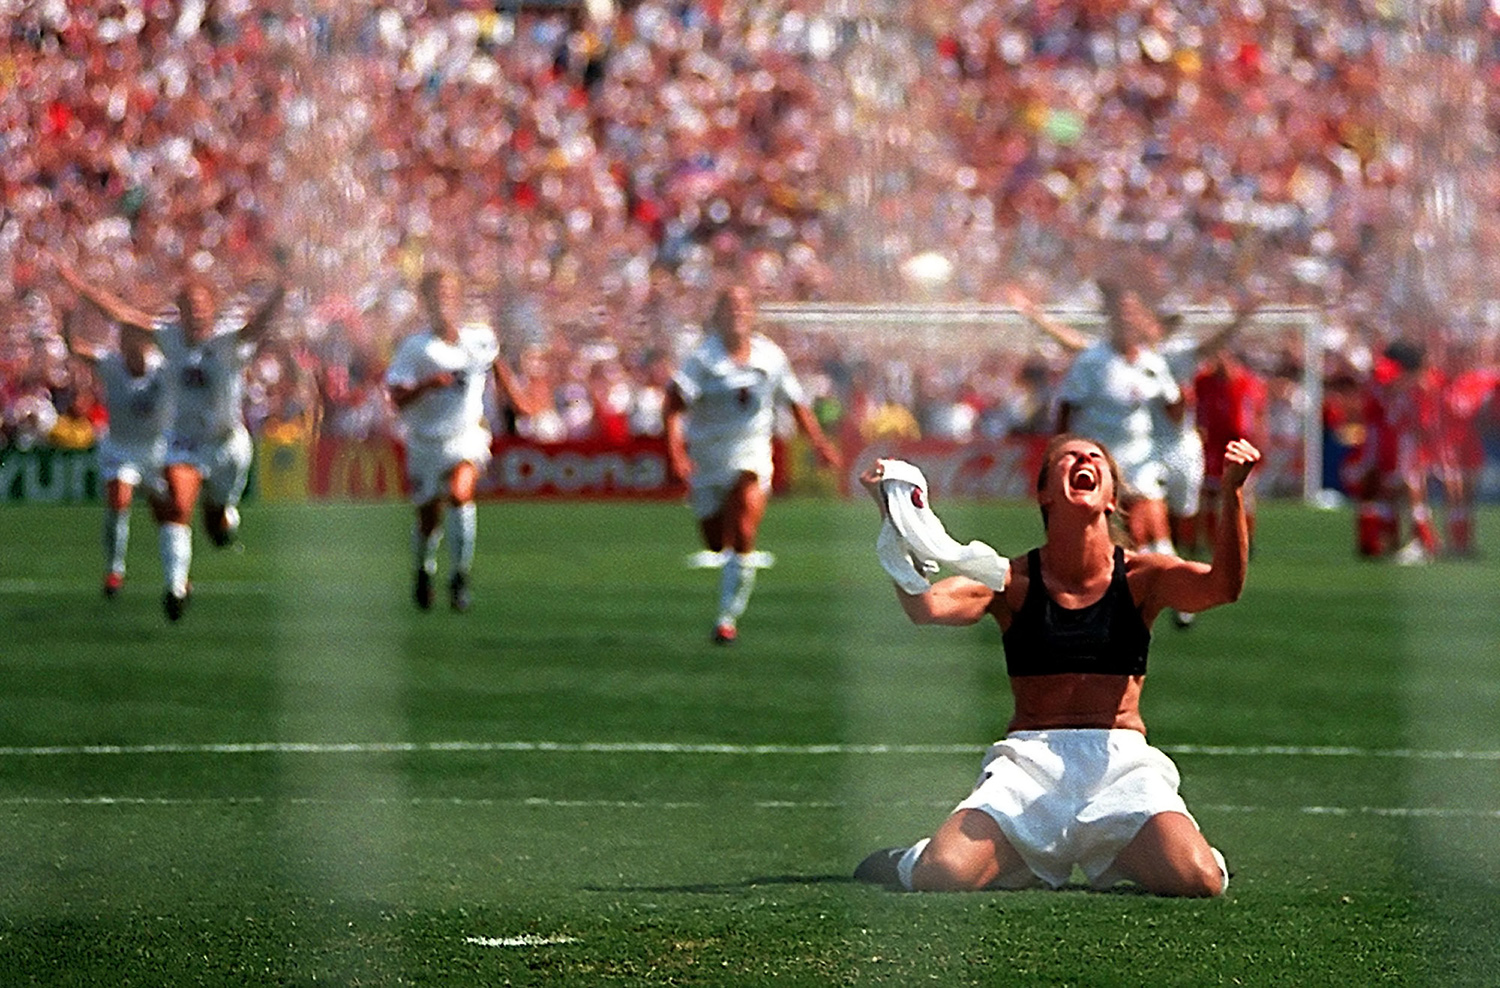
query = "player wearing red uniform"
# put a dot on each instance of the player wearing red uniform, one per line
(1231, 402)
(1466, 395)
(1391, 467)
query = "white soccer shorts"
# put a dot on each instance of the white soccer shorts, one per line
(1073, 797)
(429, 463)
(224, 463)
(707, 490)
(138, 466)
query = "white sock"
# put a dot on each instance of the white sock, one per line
(462, 524)
(1163, 546)
(909, 861)
(735, 585)
(176, 542)
(116, 538)
(425, 548)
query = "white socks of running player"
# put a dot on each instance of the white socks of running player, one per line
(116, 538)
(425, 547)
(460, 526)
(176, 543)
(736, 581)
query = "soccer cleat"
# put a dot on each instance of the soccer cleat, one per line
(725, 633)
(880, 868)
(174, 604)
(706, 559)
(759, 559)
(1414, 553)
(227, 532)
(458, 592)
(113, 582)
(422, 591)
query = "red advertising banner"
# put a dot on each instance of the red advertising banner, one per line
(1002, 469)
(356, 470)
(375, 469)
(582, 468)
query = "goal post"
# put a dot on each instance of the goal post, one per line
(963, 331)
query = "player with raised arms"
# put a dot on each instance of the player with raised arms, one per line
(720, 416)
(209, 449)
(1074, 782)
(437, 381)
(132, 452)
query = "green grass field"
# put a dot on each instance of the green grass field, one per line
(308, 781)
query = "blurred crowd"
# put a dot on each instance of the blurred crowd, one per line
(595, 170)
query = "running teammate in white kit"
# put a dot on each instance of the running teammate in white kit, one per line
(437, 381)
(720, 417)
(1111, 393)
(132, 451)
(208, 446)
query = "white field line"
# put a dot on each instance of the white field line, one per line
(688, 748)
(1404, 812)
(524, 940)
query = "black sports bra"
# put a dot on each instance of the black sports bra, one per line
(1107, 637)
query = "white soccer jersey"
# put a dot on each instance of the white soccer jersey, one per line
(731, 407)
(208, 381)
(1113, 399)
(444, 413)
(139, 407)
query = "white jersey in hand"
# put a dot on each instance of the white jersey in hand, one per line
(1113, 399)
(208, 381)
(444, 413)
(731, 407)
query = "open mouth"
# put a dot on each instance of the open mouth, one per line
(1084, 479)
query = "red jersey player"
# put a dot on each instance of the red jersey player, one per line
(1469, 391)
(1231, 404)
(1391, 467)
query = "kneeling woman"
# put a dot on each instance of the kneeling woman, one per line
(1074, 782)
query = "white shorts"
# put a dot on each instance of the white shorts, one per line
(1073, 797)
(706, 494)
(1184, 477)
(223, 463)
(1145, 479)
(138, 466)
(430, 462)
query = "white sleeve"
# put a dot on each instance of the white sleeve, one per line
(688, 380)
(486, 347)
(788, 387)
(403, 370)
(1080, 382)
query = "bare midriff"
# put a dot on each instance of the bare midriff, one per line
(1064, 700)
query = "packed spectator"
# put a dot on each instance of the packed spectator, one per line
(593, 174)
